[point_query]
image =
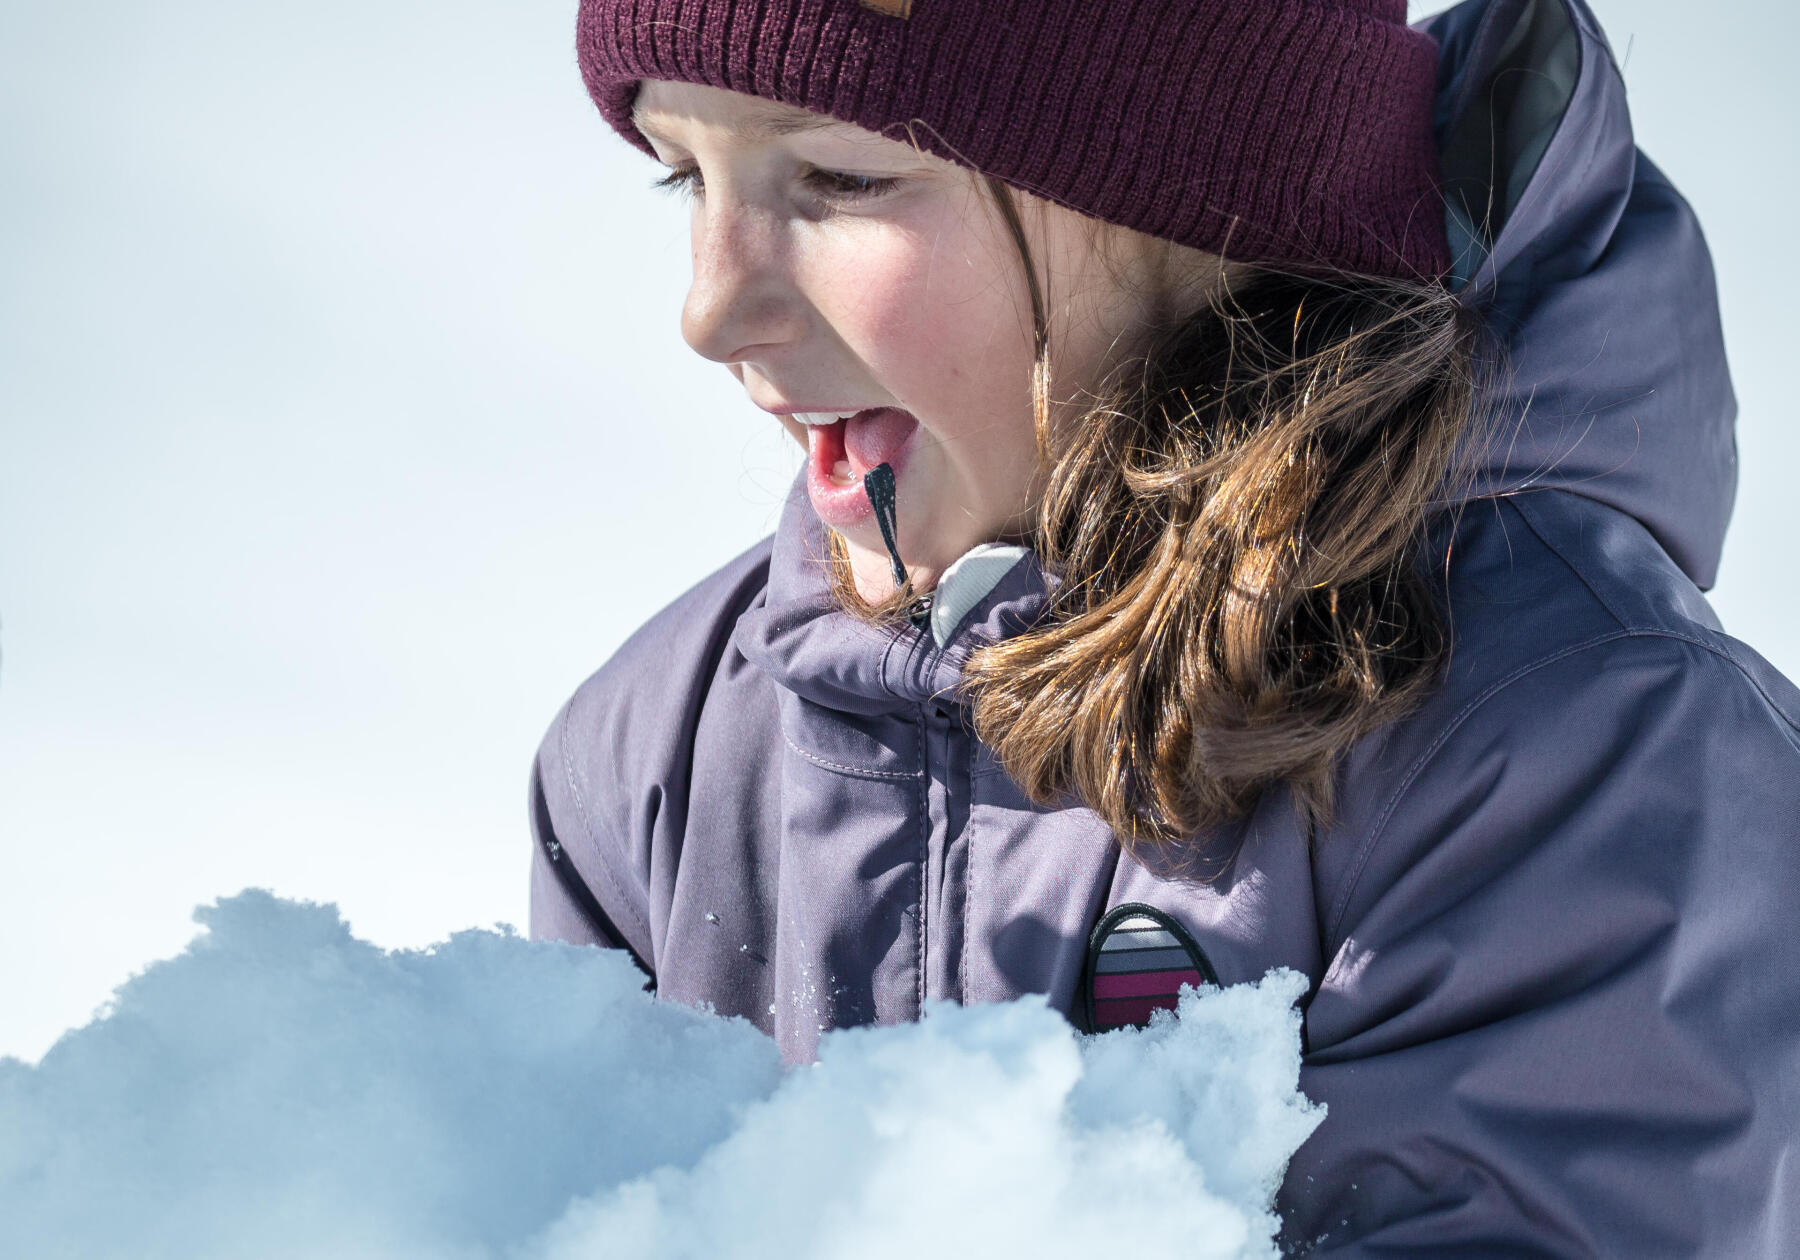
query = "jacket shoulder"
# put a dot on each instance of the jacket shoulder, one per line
(1556, 910)
(1581, 656)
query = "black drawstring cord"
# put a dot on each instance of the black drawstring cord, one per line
(878, 484)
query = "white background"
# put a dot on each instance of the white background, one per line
(346, 425)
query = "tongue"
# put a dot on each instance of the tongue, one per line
(875, 437)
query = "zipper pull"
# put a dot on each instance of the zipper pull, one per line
(920, 614)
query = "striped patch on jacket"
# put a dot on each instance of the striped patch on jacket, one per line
(1138, 958)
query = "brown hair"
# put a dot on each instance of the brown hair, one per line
(1237, 521)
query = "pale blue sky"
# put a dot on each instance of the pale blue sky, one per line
(345, 425)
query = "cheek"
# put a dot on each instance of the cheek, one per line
(940, 329)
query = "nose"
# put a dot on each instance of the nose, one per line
(742, 296)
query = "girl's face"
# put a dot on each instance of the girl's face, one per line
(838, 271)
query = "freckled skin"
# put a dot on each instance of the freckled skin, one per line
(914, 298)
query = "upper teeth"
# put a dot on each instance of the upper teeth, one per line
(823, 417)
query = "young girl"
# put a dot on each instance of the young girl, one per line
(1262, 463)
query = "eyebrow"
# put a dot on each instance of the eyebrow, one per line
(761, 127)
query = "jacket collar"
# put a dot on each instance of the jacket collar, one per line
(800, 639)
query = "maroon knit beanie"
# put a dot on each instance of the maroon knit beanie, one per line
(1277, 131)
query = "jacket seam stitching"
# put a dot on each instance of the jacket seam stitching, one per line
(1450, 728)
(857, 771)
(1762, 691)
(587, 824)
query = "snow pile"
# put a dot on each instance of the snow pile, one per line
(282, 1089)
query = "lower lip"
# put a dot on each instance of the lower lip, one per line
(882, 435)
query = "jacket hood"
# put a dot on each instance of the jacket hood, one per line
(1592, 273)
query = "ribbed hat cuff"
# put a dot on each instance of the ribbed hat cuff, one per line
(1294, 132)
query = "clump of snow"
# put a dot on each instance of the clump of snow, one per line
(282, 1089)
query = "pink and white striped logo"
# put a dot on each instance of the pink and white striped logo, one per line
(1138, 959)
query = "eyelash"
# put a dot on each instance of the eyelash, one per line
(684, 180)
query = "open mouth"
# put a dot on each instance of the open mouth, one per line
(840, 455)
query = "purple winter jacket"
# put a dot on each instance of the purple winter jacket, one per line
(1553, 935)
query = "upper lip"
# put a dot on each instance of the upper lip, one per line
(788, 409)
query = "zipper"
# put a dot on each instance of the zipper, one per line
(959, 800)
(940, 913)
(927, 885)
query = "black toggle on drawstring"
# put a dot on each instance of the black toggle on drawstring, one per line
(878, 484)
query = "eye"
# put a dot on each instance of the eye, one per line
(686, 181)
(835, 184)
(683, 180)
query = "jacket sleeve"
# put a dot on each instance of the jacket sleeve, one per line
(611, 779)
(1562, 1011)
(563, 908)
(571, 857)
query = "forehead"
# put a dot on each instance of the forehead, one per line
(667, 111)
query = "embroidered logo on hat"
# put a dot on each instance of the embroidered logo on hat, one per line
(892, 8)
(1138, 958)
